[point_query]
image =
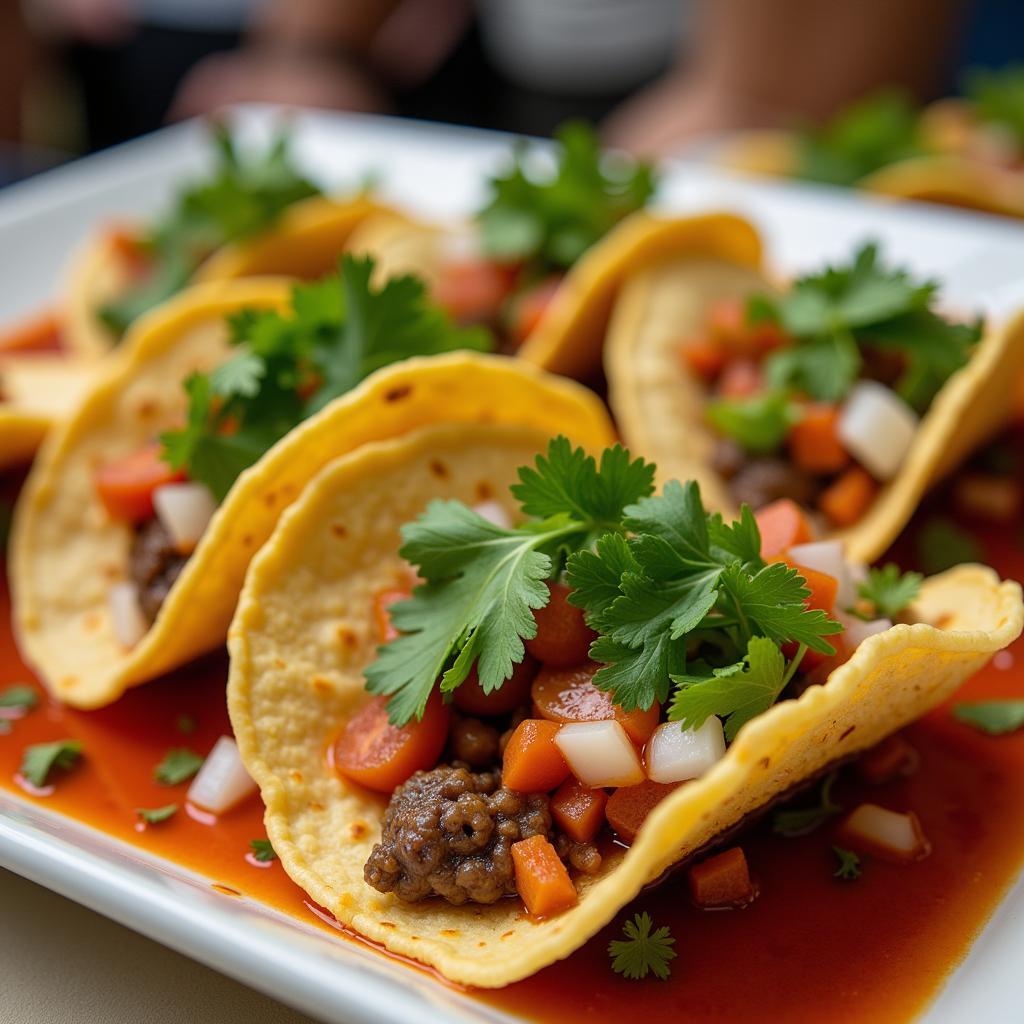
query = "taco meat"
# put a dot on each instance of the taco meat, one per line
(154, 563)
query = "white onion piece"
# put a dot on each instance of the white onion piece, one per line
(888, 835)
(222, 782)
(129, 623)
(184, 511)
(600, 754)
(494, 513)
(877, 427)
(829, 557)
(856, 631)
(674, 754)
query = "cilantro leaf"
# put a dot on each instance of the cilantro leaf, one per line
(736, 694)
(849, 864)
(155, 815)
(889, 591)
(759, 423)
(178, 765)
(998, 98)
(996, 717)
(800, 821)
(185, 724)
(23, 697)
(941, 544)
(42, 758)
(242, 195)
(642, 951)
(262, 850)
(549, 220)
(290, 365)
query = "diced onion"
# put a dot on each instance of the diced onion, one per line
(126, 613)
(493, 513)
(877, 427)
(222, 781)
(184, 511)
(886, 834)
(829, 557)
(674, 754)
(600, 754)
(856, 631)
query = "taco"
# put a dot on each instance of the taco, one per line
(845, 393)
(461, 811)
(542, 260)
(139, 518)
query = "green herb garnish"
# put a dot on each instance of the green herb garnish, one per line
(22, 697)
(996, 717)
(550, 220)
(642, 951)
(941, 544)
(185, 724)
(889, 591)
(243, 195)
(179, 765)
(998, 98)
(800, 821)
(849, 864)
(155, 815)
(262, 850)
(291, 365)
(42, 758)
(759, 424)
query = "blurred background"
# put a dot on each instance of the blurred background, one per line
(655, 75)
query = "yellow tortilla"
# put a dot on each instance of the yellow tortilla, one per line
(570, 336)
(659, 406)
(66, 551)
(304, 632)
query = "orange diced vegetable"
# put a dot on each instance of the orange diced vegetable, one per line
(847, 499)
(530, 307)
(382, 603)
(893, 758)
(469, 696)
(726, 323)
(722, 881)
(578, 810)
(127, 246)
(704, 357)
(814, 443)
(782, 524)
(472, 290)
(887, 835)
(823, 588)
(541, 877)
(533, 763)
(563, 636)
(628, 806)
(41, 333)
(741, 378)
(126, 486)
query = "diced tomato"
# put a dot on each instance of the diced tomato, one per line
(893, 758)
(848, 498)
(703, 357)
(376, 754)
(533, 763)
(741, 378)
(382, 603)
(629, 806)
(782, 524)
(823, 587)
(722, 881)
(569, 695)
(529, 307)
(814, 443)
(727, 323)
(127, 246)
(563, 637)
(473, 290)
(41, 333)
(578, 810)
(126, 486)
(513, 693)
(541, 878)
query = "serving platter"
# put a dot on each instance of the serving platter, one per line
(439, 172)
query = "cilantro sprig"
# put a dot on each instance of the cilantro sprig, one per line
(20, 696)
(290, 365)
(995, 717)
(243, 194)
(262, 850)
(800, 821)
(643, 951)
(888, 591)
(849, 869)
(179, 764)
(39, 760)
(548, 220)
(156, 815)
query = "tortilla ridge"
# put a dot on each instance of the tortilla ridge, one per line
(658, 404)
(891, 679)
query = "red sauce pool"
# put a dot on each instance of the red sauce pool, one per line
(810, 947)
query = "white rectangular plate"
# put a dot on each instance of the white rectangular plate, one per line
(439, 172)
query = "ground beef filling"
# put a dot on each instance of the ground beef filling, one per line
(449, 832)
(759, 480)
(154, 564)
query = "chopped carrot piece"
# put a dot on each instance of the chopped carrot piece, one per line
(704, 357)
(814, 443)
(532, 762)
(893, 758)
(382, 602)
(782, 524)
(823, 588)
(741, 378)
(848, 498)
(726, 320)
(628, 806)
(722, 881)
(541, 877)
(578, 810)
(41, 333)
(128, 248)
